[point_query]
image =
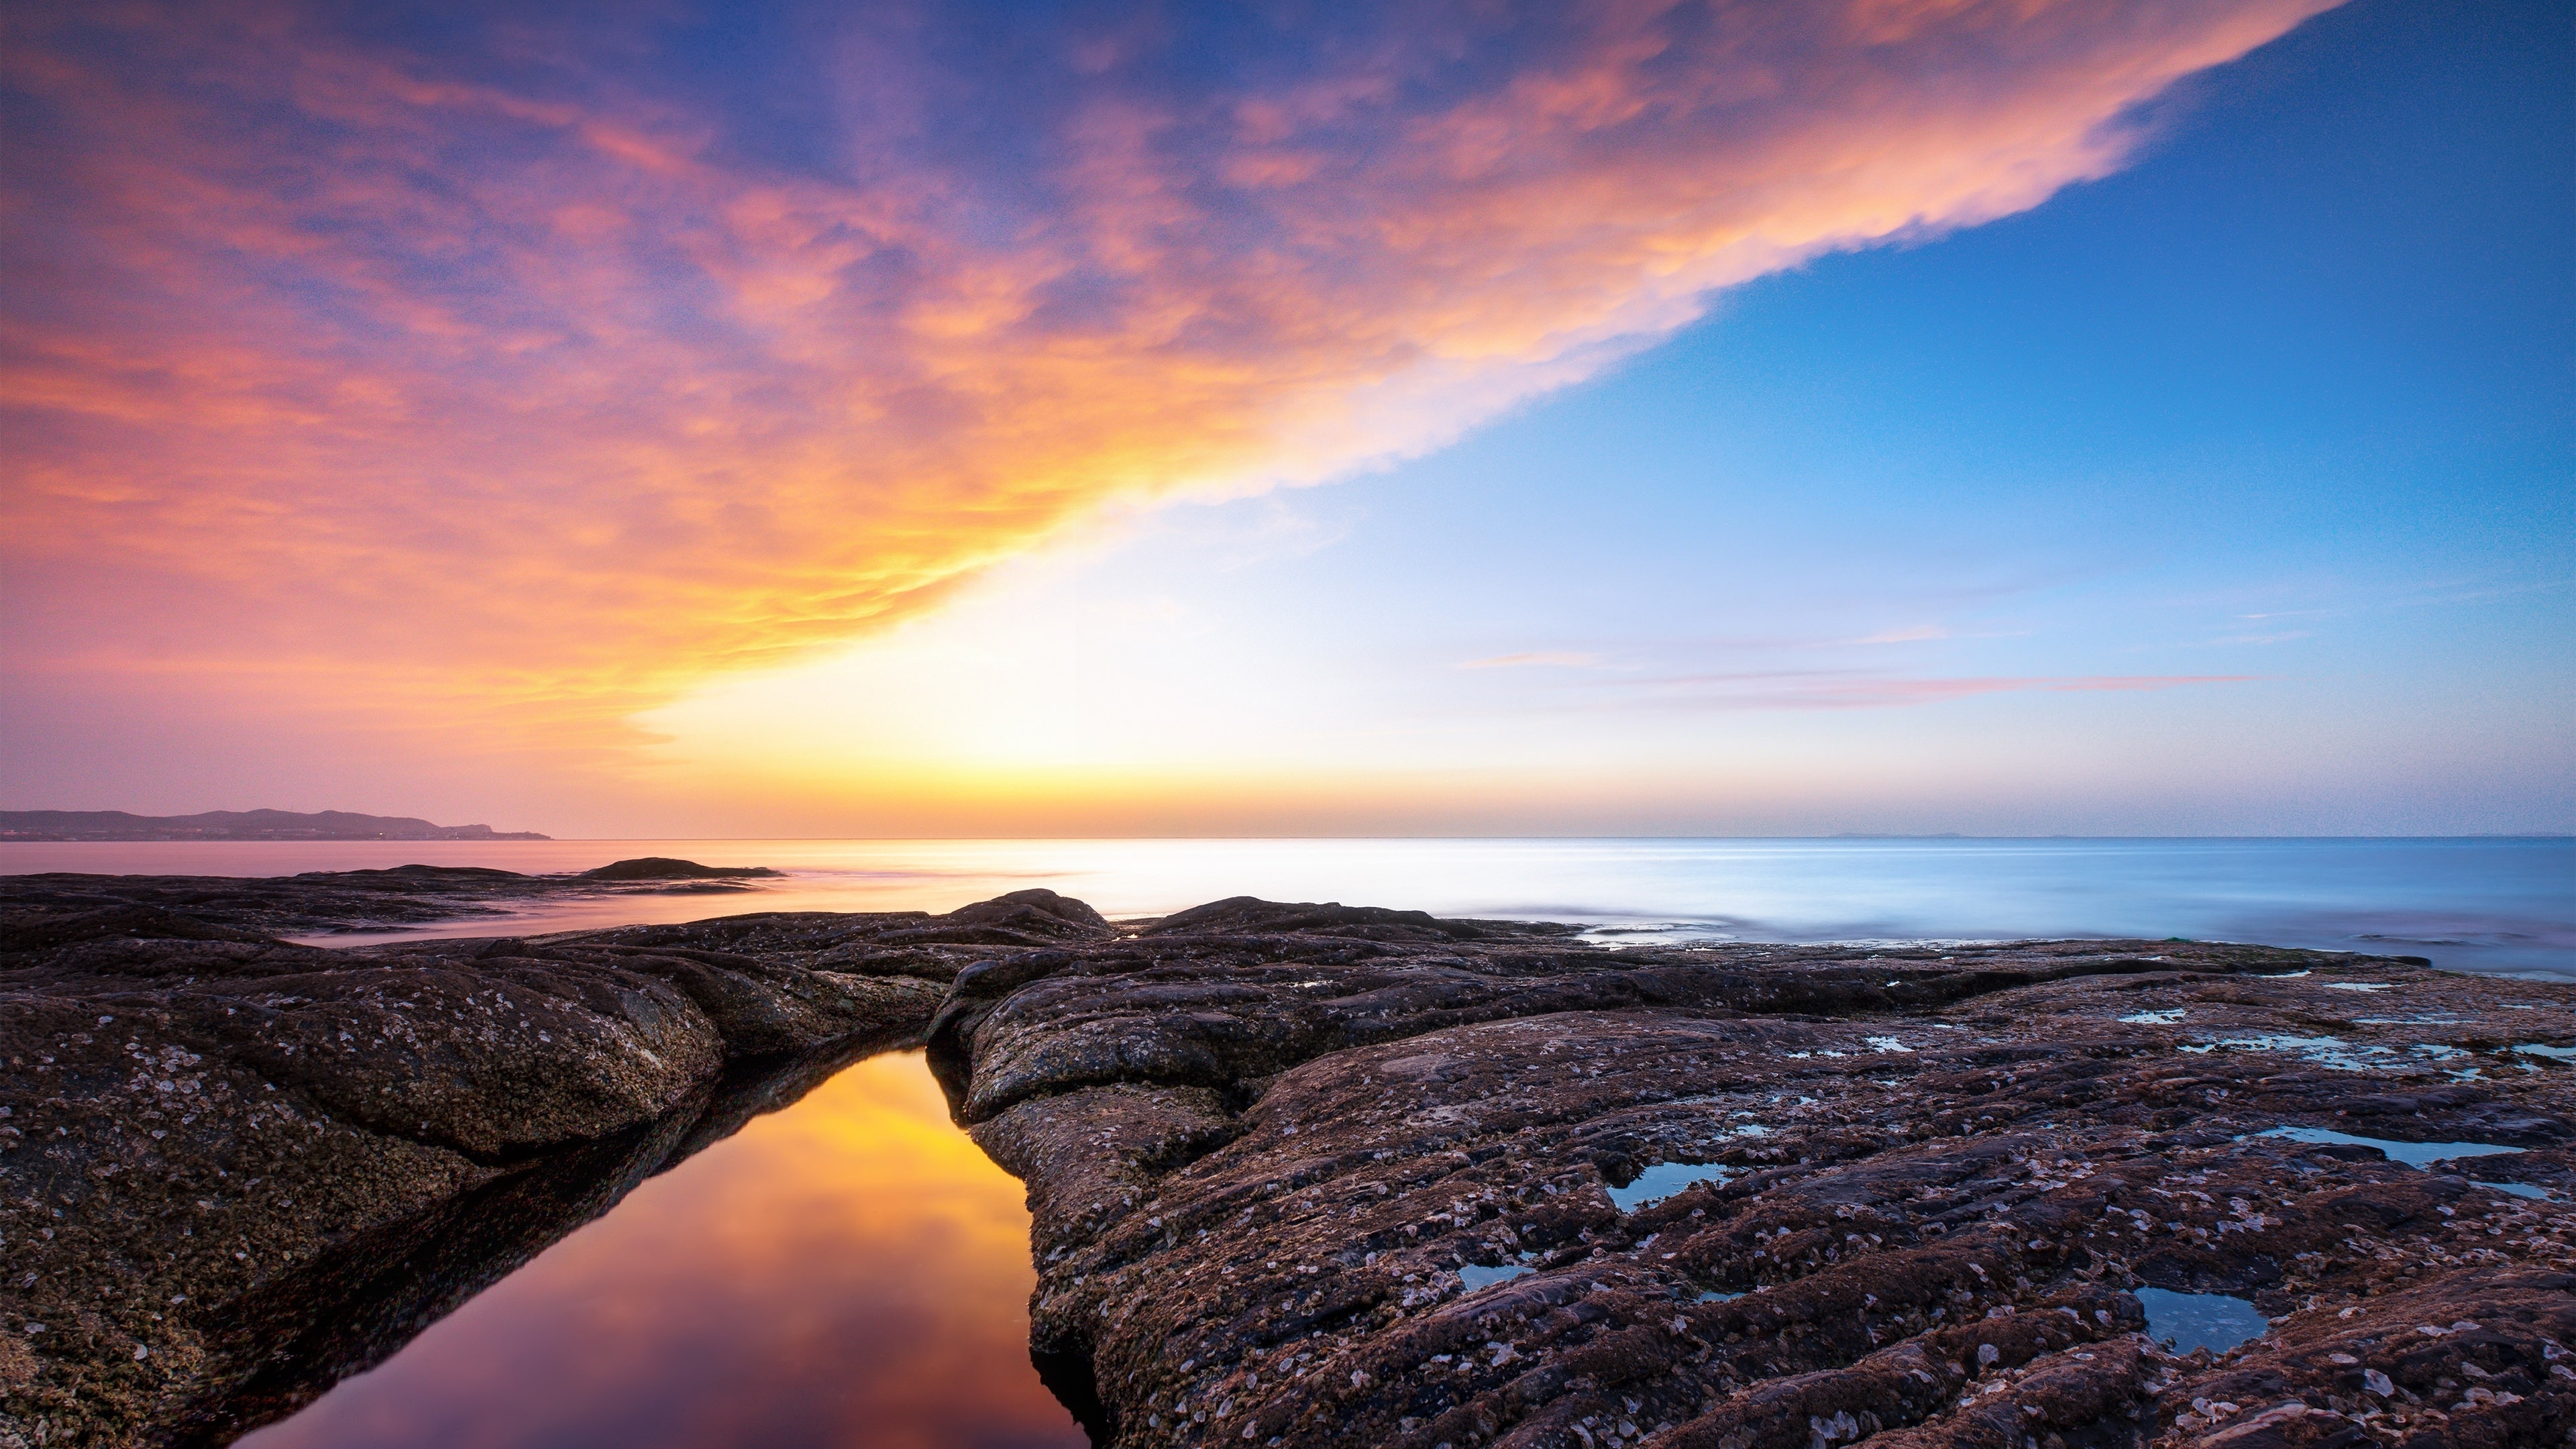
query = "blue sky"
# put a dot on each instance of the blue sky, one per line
(2283, 406)
(2215, 482)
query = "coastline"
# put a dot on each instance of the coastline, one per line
(2491, 905)
(1273, 1137)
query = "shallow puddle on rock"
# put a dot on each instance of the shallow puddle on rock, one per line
(851, 1270)
(2413, 1154)
(1663, 1180)
(2326, 1051)
(2212, 1321)
(2535, 1049)
(1477, 1277)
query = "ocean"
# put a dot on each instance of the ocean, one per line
(2486, 904)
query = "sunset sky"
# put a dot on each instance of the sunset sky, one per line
(1999, 416)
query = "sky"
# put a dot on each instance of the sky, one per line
(1995, 416)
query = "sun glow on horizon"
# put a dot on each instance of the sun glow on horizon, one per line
(823, 419)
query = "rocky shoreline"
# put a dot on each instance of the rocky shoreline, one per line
(336, 902)
(1320, 1175)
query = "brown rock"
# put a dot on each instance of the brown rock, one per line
(1268, 1147)
(233, 1170)
(1265, 1143)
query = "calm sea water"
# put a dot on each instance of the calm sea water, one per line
(2492, 905)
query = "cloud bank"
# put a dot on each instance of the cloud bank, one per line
(523, 370)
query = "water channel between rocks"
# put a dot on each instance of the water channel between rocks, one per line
(849, 1271)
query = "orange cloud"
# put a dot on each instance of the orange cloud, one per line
(521, 380)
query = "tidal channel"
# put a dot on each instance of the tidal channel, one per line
(848, 1271)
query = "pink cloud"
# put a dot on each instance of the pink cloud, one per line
(491, 383)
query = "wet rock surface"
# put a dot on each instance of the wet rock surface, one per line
(234, 1170)
(1268, 1147)
(1316, 1175)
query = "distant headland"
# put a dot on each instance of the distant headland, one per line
(238, 825)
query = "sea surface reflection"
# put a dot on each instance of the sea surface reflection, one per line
(850, 1271)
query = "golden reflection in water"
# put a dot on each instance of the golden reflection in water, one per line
(852, 1271)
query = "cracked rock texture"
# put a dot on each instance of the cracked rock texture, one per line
(1304, 1176)
(234, 1170)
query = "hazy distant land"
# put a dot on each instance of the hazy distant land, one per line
(238, 825)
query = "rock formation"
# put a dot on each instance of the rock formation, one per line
(1306, 1177)
(1311, 1175)
(233, 1170)
(336, 901)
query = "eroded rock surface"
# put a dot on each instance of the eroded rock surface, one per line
(234, 1170)
(1268, 1149)
(1311, 1175)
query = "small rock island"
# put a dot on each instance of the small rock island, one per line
(1323, 1175)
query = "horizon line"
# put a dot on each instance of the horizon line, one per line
(899, 839)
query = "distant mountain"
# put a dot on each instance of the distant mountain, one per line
(238, 825)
